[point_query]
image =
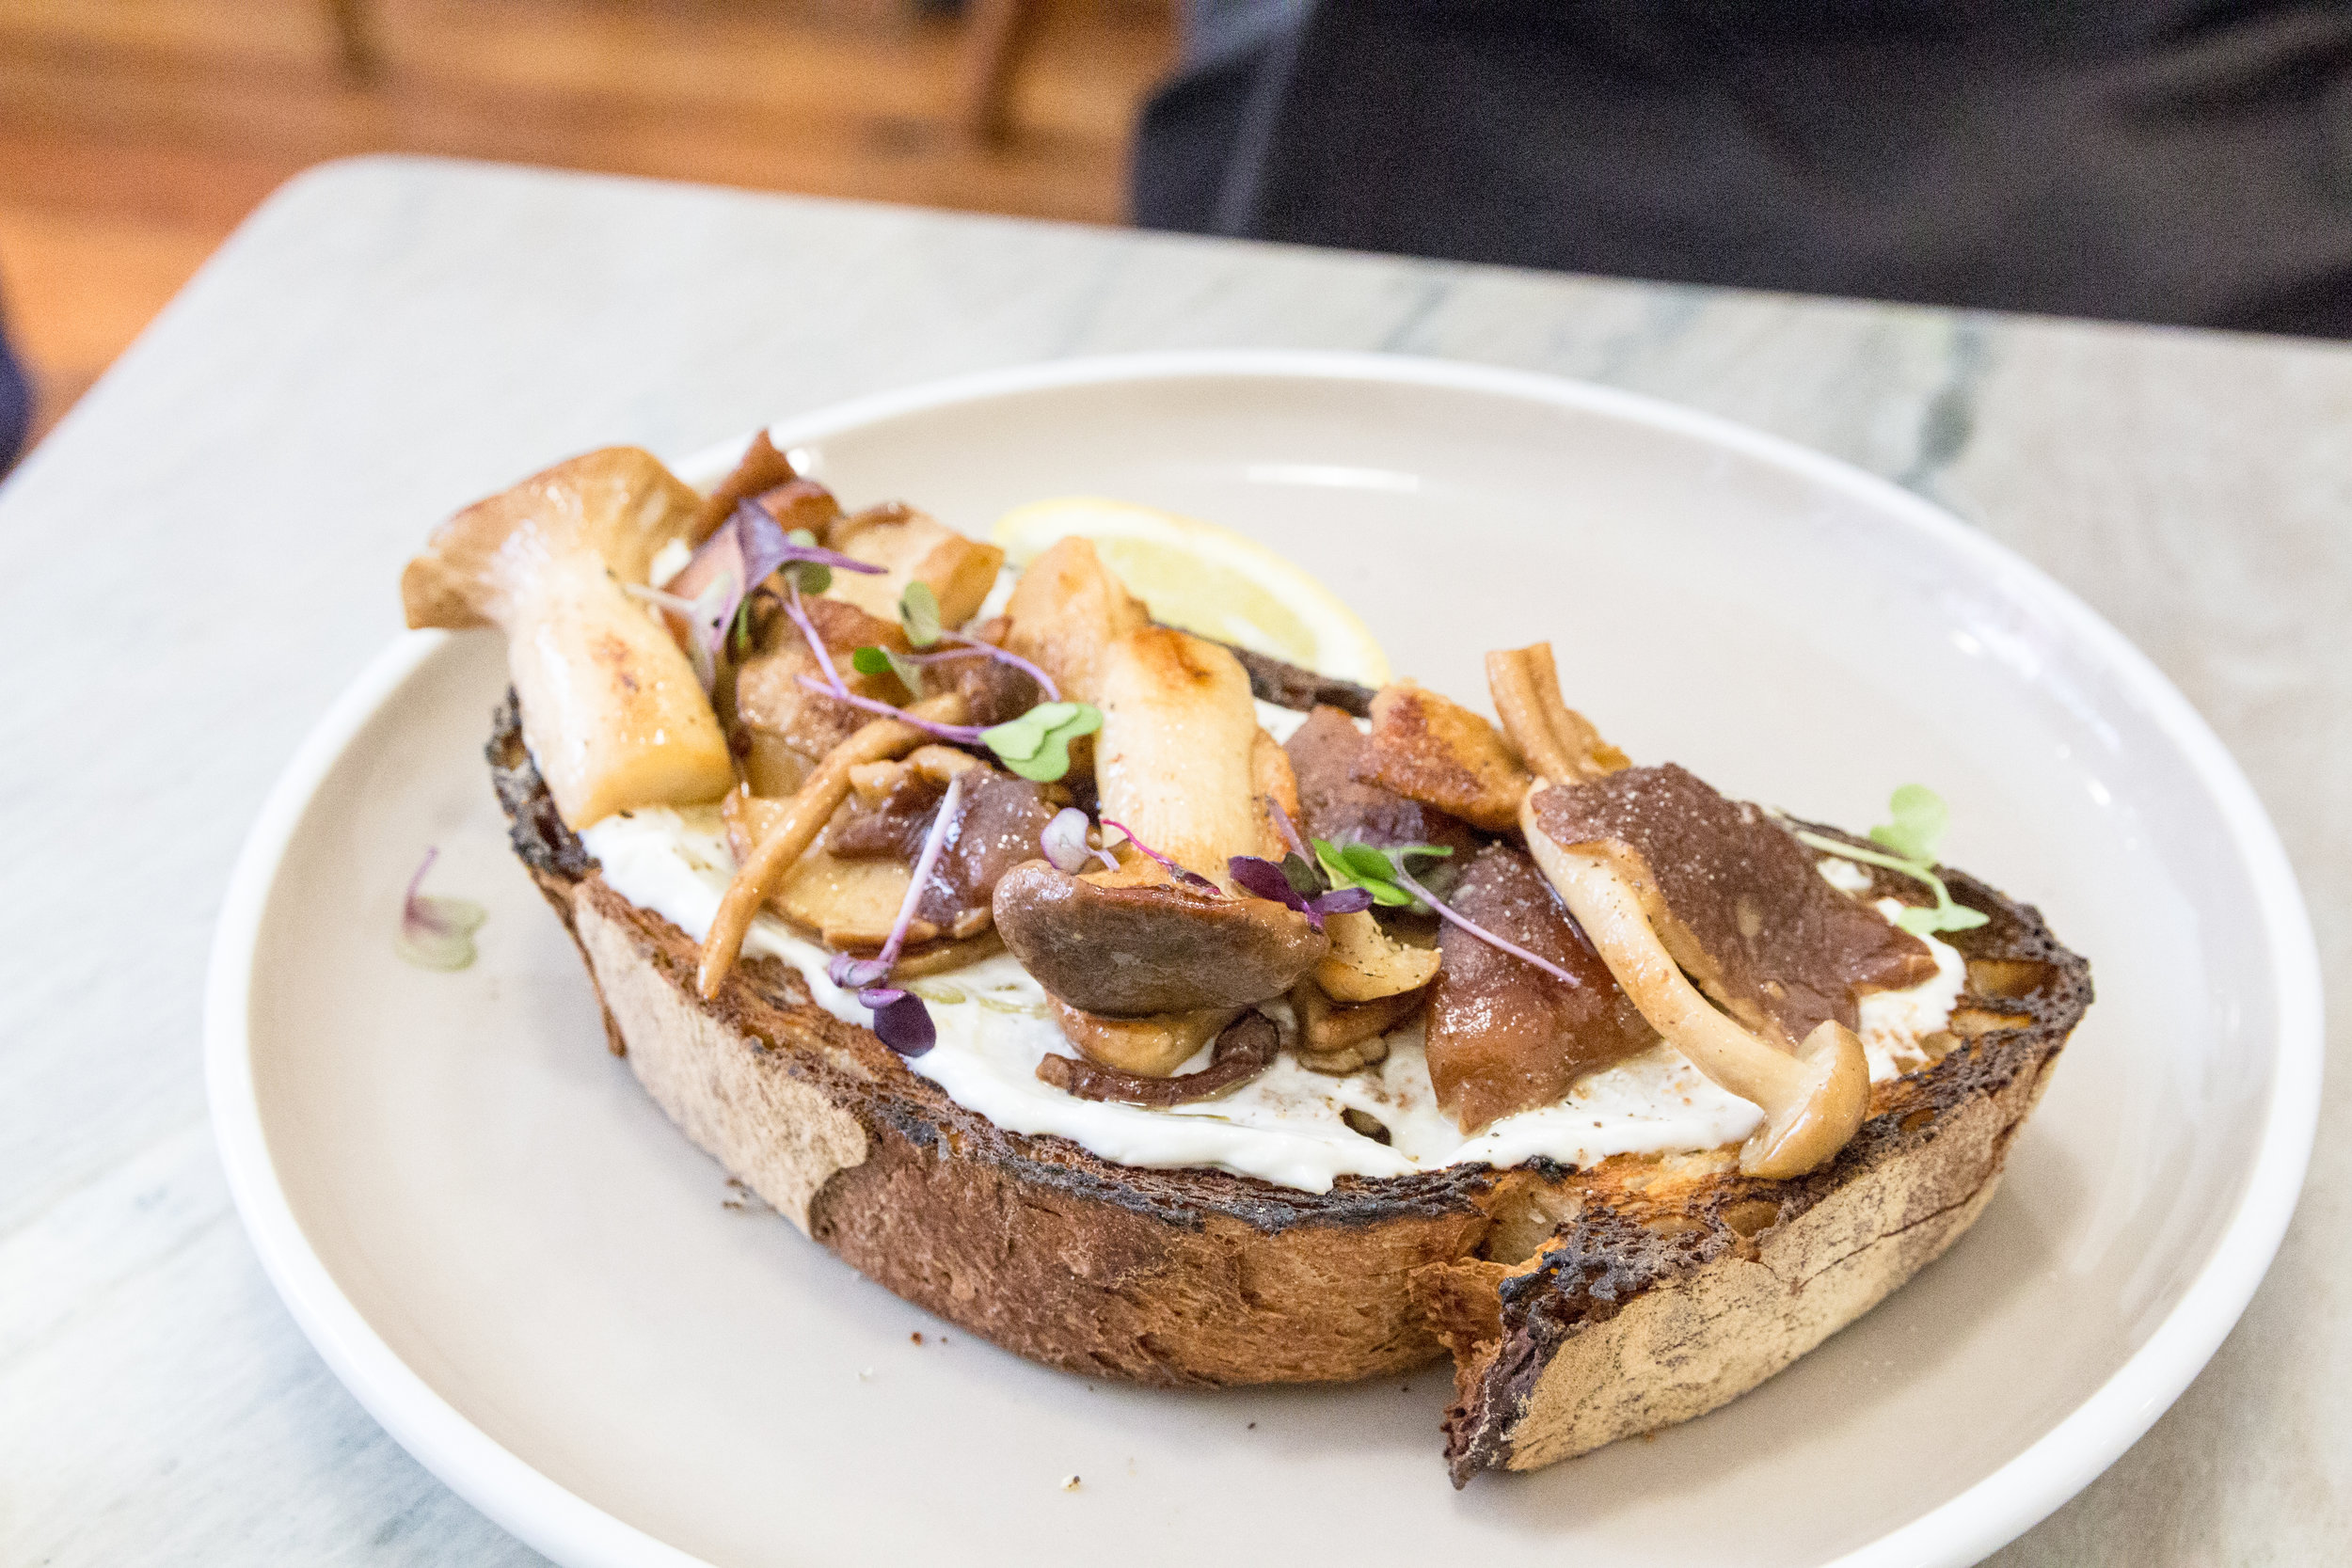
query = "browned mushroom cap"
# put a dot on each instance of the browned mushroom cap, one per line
(1335, 805)
(1126, 951)
(1153, 1045)
(1736, 900)
(761, 468)
(1504, 1035)
(1430, 749)
(1663, 875)
(1812, 1101)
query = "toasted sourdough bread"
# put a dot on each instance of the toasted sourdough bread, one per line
(1580, 1306)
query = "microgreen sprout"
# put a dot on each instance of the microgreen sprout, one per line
(873, 660)
(1037, 744)
(713, 593)
(1381, 874)
(706, 617)
(811, 565)
(899, 1016)
(436, 932)
(1378, 872)
(1907, 845)
(1064, 841)
(918, 613)
(1290, 833)
(1255, 874)
(1443, 912)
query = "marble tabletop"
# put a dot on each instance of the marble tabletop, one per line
(389, 338)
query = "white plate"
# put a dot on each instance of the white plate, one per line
(518, 1266)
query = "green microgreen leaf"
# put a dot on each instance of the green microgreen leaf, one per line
(739, 633)
(1372, 869)
(1300, 873)
(1907, 845)
(918, 612)
(873, 660)
(1947, 916)
(813, 577)
(436, 932)
(1920, 819)
(1037, 745)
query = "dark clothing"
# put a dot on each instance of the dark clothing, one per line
(2153, 160)
(16, 404)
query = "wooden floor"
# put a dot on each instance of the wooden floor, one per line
(135, 133)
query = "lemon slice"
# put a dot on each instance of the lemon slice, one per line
(1206, 580)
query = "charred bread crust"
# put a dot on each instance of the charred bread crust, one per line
(1676, 1284)
(1580, 1306)
(1169, 1277)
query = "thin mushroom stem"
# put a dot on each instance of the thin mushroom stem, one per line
(1558, 744)
(1813, 1101)
(812, 806)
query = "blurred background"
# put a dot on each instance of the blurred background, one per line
(135, 133)
(2168, 161)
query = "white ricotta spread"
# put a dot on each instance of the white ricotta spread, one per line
(1286, 1125)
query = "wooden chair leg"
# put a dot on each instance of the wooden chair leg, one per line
(354, 39)
(995, 32)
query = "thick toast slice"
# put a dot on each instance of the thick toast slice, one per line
(1580, 1306)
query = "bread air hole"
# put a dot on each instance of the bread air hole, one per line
(1969, 1022)
(1526, 1215)
(2010, 977)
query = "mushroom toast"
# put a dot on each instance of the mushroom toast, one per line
(1165, 1011)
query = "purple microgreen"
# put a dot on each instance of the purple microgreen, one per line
(957, 735)
(1035, 746)
(901, 1020)
(704, 618)
(712, 591)
(719, 577)
(1064, 841)
(918, 613)
(934, 841)
(853, 973)
(1345, 900)
(1265, 880)
(1177, 873)
(971, 647)
(875, 660)
(800, 547)
(1404, 879)
(761, 543)
(436, 932)
(1004, 655)
(799, 612)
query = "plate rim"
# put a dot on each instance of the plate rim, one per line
(2000, 1506)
